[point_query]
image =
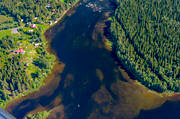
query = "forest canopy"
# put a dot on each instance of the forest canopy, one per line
(29, 9)
(146, 39)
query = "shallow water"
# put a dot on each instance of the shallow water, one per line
(87, 81)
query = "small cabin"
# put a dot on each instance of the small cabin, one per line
(28, 24)
(26, 64)
(30, 31)
(33, 26)
(48, 6)
(50, 23)
(20, 51)
(36, 45)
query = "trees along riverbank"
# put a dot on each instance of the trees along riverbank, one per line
(24, 60)
(145, 37)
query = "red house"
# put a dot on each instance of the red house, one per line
(12, 52)
(20, 51)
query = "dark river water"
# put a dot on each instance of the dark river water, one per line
(87, 82)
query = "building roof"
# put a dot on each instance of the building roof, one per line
(33, 26)
(20, 50)
(17, 51)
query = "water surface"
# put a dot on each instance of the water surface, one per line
(87, 81)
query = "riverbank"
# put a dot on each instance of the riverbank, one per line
(90, 83)
(165, 98)
(109, 45)
(150, 95)
(22, 96)
(134, 47)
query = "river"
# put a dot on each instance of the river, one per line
(87, 82)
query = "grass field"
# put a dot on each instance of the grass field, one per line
(5, 33)
(4, 18)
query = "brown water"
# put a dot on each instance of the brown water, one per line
(87, 82)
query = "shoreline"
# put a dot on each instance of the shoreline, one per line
(137, 58)
(108, 43)
(56, 64)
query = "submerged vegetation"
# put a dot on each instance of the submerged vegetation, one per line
(146, 39)
(39, 115)
(24, 61)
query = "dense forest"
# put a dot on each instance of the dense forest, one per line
(146, 39)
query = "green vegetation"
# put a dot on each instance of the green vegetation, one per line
(42, 9)
(24, 72)
(4, 33)
(146, 38)
(4, 18)
(7, 22)
(39, 115)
